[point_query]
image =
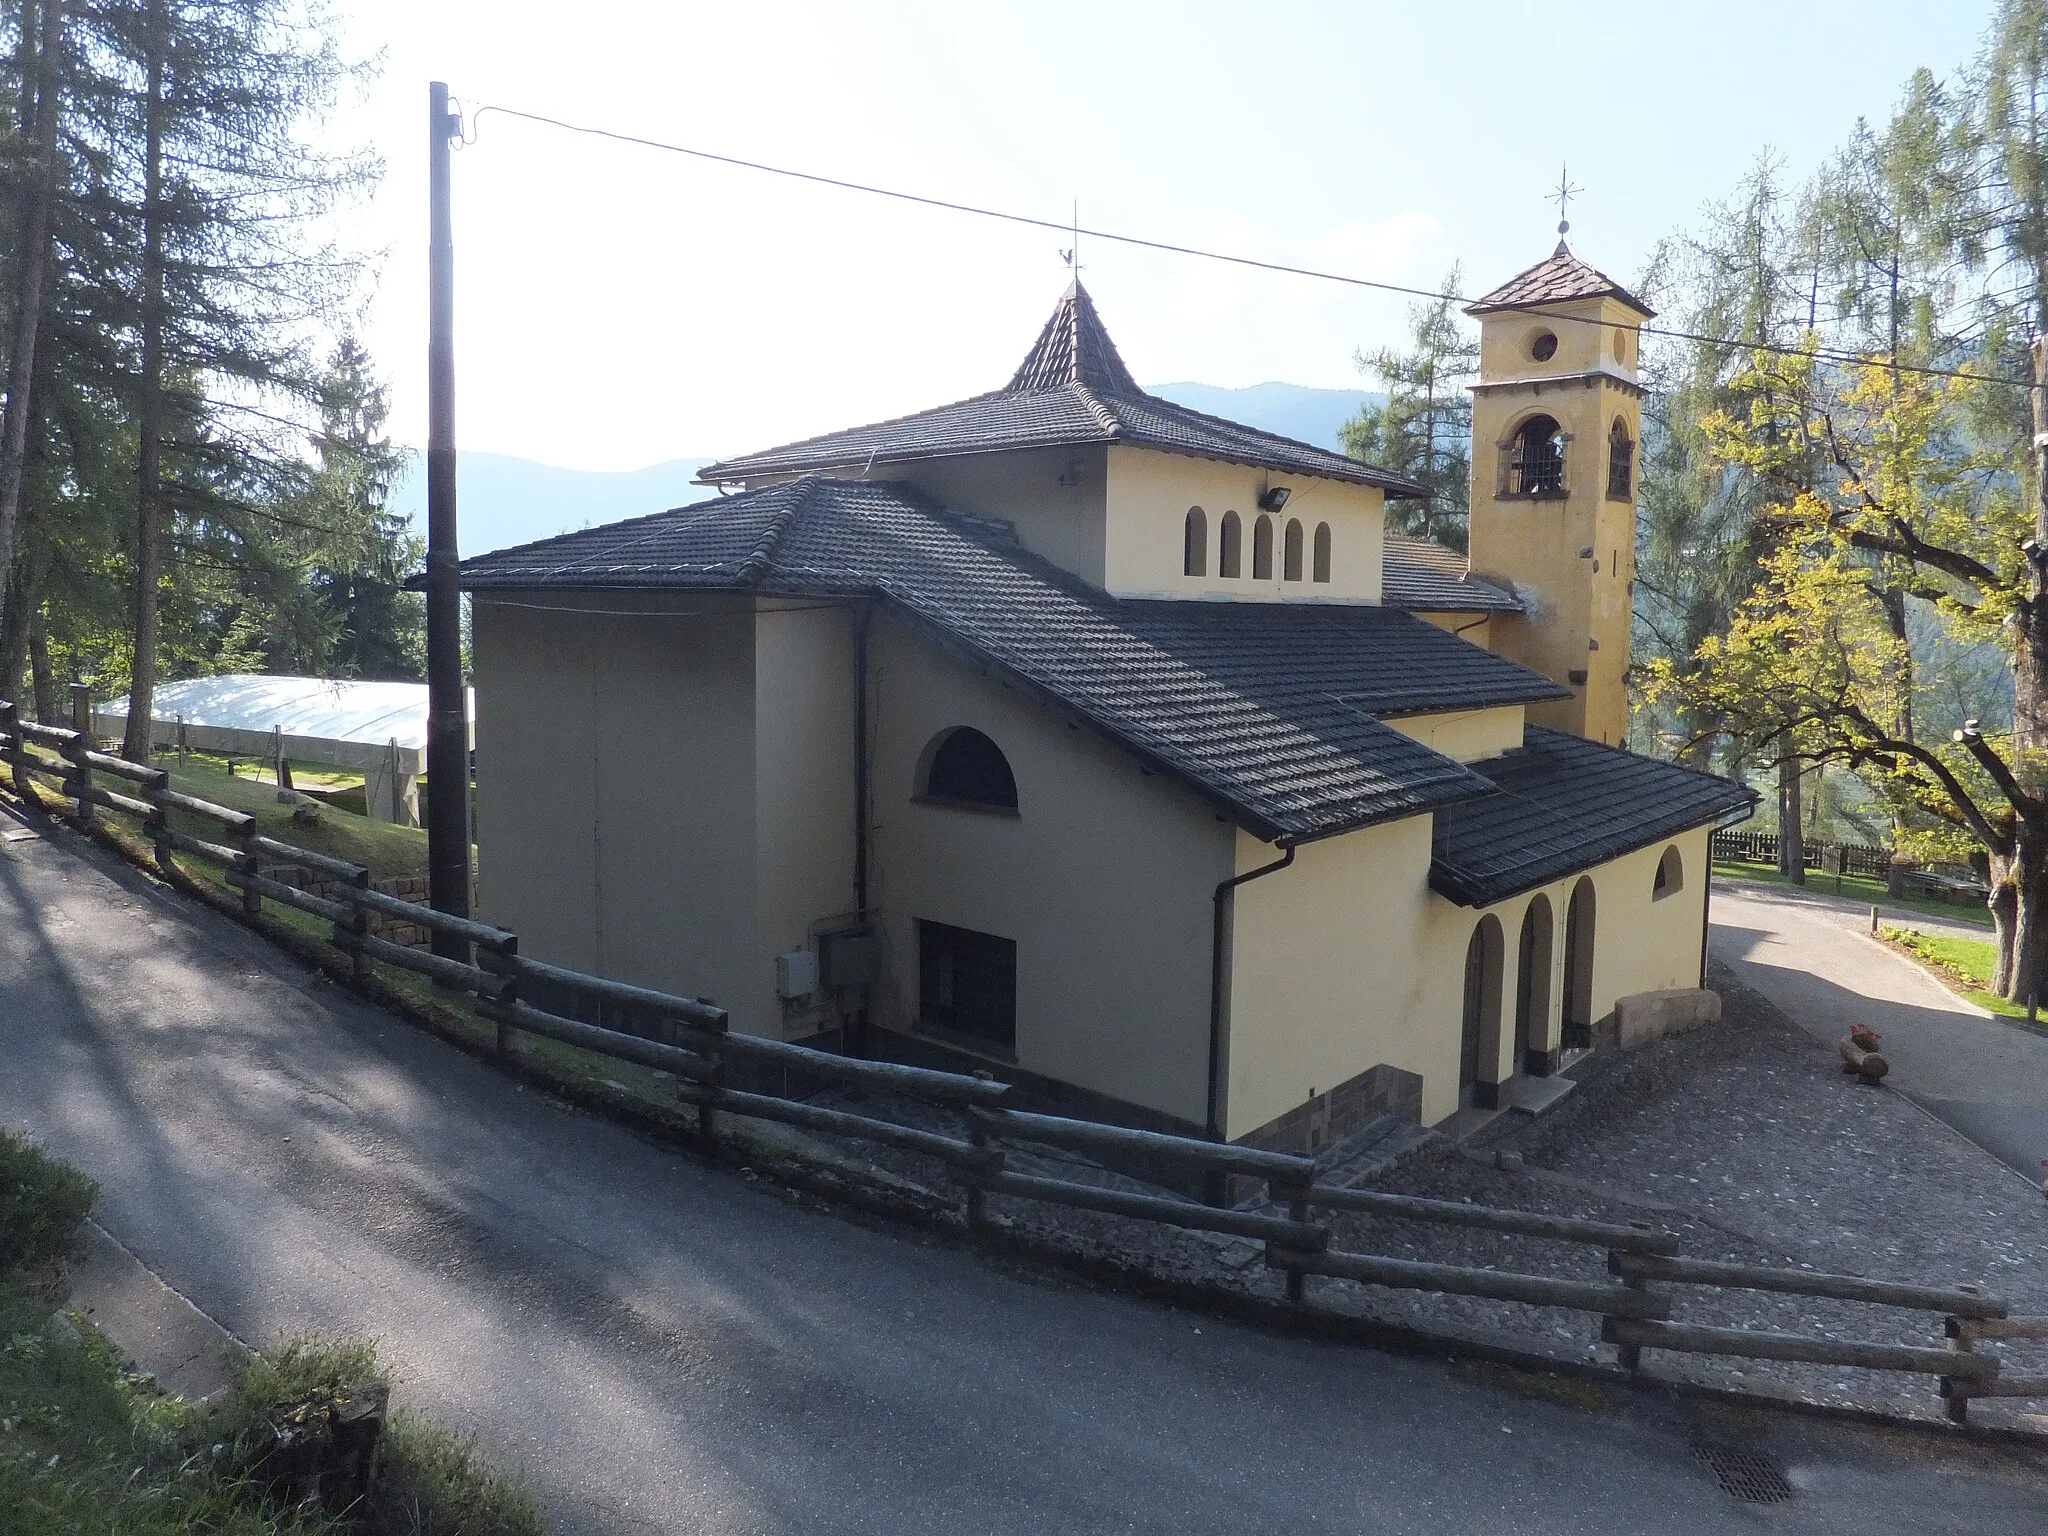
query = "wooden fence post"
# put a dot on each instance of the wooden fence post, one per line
(1955, 1390)
(1296, 1196)
(349, 936)
(1628, 1356)
(79, 779)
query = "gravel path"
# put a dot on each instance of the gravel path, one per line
(1746, 1140)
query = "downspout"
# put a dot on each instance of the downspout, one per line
(1706, 909)
(857, 1045)
(1219, 1002)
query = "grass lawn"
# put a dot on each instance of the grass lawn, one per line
(89, 1446)
(1966, 964)
(388, 850)
(1859, 888)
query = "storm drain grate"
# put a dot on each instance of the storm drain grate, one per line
(1750, 1476)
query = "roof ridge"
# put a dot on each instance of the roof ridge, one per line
(761, 558)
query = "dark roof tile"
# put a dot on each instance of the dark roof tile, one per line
(1563, 804)
(1557, 279)
(1423, 576)
(1071, 388)
(1270, 708)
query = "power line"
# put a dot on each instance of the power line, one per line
(1073, 228)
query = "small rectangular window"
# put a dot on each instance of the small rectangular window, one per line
(967, 983)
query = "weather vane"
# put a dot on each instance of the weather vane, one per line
(1072, 255)
(1563, 194)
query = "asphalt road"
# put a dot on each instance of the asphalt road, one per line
(1815, 959)
(665, 1348)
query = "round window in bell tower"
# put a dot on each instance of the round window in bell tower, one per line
(1543, 346)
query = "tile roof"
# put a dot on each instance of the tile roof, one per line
(1270, 709)
(1559, 277)
(1423, 576)
(1563, 804)
(1071, 388)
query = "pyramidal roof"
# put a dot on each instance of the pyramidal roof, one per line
(1071, 388)
(1073, 348)
(1555, 280)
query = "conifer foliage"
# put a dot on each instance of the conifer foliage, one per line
(199, 478)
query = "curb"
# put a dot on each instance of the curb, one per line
(155, 1326)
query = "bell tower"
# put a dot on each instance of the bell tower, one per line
(1556, 420)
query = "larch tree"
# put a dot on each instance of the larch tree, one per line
(1425, 428)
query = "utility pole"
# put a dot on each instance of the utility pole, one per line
(447, 714)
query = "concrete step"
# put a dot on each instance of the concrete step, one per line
(1370, 1151)
(1536, 1095)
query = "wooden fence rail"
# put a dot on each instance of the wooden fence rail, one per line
(689, 1040)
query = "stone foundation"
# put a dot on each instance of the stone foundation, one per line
(1329, 1117)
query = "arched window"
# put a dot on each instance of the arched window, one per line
(1230, 549)
(1262, 549)
(1621, 459)
(963, 767)
(1537, 468)
(1670, 875)
(1195, 544)
(1322, 552)
(1290, 551)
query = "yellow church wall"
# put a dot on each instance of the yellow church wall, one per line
(803, 791)
(615, 800)
(1465, 735)
(1103, 879)
(1150, 493)
(1053, 497)
(1328, 970)
(1475, 627)
(1643, 945)
(1571, 558)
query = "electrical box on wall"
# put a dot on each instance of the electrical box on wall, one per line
(846, 958)
(796, 974)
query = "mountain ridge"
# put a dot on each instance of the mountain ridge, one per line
(505, 500)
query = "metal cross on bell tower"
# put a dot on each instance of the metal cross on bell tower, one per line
(1564, 194)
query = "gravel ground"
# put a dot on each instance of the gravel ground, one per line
(1744, 1139)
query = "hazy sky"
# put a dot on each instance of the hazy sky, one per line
(616, 307)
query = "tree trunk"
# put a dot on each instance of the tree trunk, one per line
(2027, 878)
(2004, 904)
(1791, 835)
(41, 673)
(149, 468)
(40, 115)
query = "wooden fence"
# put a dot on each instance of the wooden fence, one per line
(1755, 847)
(688, 1039)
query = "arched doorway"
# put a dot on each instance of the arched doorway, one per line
(1479, 1039)
(1579, 922)
(1532, 991)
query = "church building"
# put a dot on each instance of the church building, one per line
(1116, 749)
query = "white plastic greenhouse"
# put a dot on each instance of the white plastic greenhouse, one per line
(378, 728)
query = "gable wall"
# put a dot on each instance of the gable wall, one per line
(615, 785)
(1148, 501)
(1053, 497)
(1103, 879)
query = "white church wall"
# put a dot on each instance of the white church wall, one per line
(1103, 879)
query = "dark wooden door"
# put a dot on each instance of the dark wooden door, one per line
(1475, 1004)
